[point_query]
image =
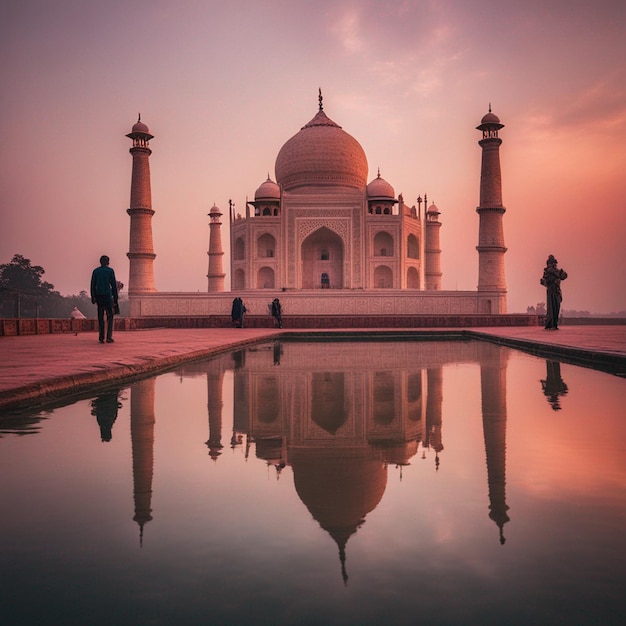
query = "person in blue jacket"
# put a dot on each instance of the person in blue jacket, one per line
(104, 295)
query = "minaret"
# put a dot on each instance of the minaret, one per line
(491, 246)
(216, 254)
(432, 270)
(140, 252)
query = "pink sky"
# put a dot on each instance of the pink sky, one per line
(223, 85)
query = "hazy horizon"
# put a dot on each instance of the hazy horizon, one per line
(223, 86)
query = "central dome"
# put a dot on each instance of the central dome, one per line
(321, 153)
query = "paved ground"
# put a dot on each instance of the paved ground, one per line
(47, 367)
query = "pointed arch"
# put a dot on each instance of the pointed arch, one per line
(322, 253)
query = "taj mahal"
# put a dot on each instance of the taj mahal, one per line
(324, 239)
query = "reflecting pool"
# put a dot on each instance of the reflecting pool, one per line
(448, 482)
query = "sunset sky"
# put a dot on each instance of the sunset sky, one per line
(224, 84)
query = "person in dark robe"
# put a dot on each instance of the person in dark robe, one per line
(277, 312)
(551, 280)
(237, 312)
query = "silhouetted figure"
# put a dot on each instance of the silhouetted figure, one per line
(277, 312)
(553, 386)
(237, 312)
(278, 350)
(551, 280)
(104, 294)
(105, 407)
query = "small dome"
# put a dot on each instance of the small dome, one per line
(490, 118)
(215, 210)
(432, 209)
(380, 188)
(490, 122)
(140, 127)
(269, 190)
(140, 131)
(321, 154)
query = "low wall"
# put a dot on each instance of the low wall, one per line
(26, 326)
(321, 302)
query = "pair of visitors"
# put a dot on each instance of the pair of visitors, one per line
(237, 312)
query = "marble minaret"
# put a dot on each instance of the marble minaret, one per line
(141, 252)
(433, 249)
(491, 246)
(216, 253)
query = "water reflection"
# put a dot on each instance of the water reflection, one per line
(105, 407)
(339, 422)
(553, 386)
(405, 458)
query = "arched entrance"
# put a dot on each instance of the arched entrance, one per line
(239, 281)
(265, 278)
(383, 277)
(322, 260)
(412, 278)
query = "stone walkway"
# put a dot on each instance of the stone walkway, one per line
(38, 368)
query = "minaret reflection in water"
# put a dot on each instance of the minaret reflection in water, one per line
(493, 364)
(215, 383)
(142, 440)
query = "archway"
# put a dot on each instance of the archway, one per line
(265, 278)
(412, 278)
(328, 400)
(384, 391)
(238, 280)
(383, 277)
(412, 247)
(383, 244)
(265, 246)
(239, 249)
(267, 403)
(322, 253)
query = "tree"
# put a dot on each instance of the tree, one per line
(22, 291)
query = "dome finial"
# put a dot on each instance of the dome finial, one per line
(320, 98)
(139, 117)
(378, 172)
(490, 107)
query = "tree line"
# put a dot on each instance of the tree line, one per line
(24, 293)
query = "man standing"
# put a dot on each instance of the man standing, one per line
(551, 280)
(104, 294)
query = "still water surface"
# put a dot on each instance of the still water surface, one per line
(323, 483)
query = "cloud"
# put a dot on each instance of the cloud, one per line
(347, 29)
